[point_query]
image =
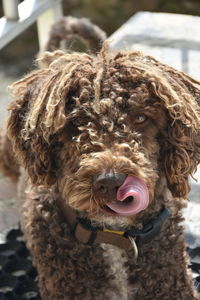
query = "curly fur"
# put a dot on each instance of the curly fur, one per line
(75, 117)
(8, 163)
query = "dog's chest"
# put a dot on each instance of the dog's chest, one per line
(117, 261)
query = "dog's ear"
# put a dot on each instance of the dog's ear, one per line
(32, 151)
(180, 150)
(37, 117)
(38, 121)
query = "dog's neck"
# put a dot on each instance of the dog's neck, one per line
(143, 228)
(87, 234)
(147, 227)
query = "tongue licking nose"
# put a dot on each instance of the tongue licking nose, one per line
(135, 188)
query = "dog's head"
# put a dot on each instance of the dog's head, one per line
(104, 128)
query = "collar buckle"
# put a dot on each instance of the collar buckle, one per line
(150, 230)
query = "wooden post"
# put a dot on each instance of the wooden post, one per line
(45, 21)
(10, 8)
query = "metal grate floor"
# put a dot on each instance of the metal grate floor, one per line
(18, 276)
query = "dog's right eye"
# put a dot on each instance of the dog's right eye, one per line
(140, 119)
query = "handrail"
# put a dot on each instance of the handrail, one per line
(19, 17)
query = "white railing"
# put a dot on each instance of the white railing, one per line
(18, 17)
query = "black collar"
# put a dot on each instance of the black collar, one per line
(150, 230)
(84, 232)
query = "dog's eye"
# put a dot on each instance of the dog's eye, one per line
(140, 119)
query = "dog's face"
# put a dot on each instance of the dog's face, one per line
(104, 129)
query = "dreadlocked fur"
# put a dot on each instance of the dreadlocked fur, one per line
(40, 111)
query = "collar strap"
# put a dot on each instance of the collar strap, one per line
(85, 233)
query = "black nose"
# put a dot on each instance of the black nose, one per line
(106, 184)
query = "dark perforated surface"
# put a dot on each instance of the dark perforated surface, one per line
(195, 265)
(17, 275)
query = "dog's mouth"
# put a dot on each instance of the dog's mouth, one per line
(132, 197)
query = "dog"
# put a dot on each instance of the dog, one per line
(107, 143)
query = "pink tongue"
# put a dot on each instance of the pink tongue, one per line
(137, 189)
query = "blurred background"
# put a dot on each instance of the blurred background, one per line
(108, 14)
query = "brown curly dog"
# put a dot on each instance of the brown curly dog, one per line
(108, 143)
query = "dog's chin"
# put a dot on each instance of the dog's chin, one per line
(115, 223)
(110, 221)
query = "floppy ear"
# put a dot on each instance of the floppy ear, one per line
(180, 151)
(35, 141)
(38, 120)
(33, 152)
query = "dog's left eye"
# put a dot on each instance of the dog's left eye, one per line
(139, 119)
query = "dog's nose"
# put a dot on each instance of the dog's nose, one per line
(106, 184)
